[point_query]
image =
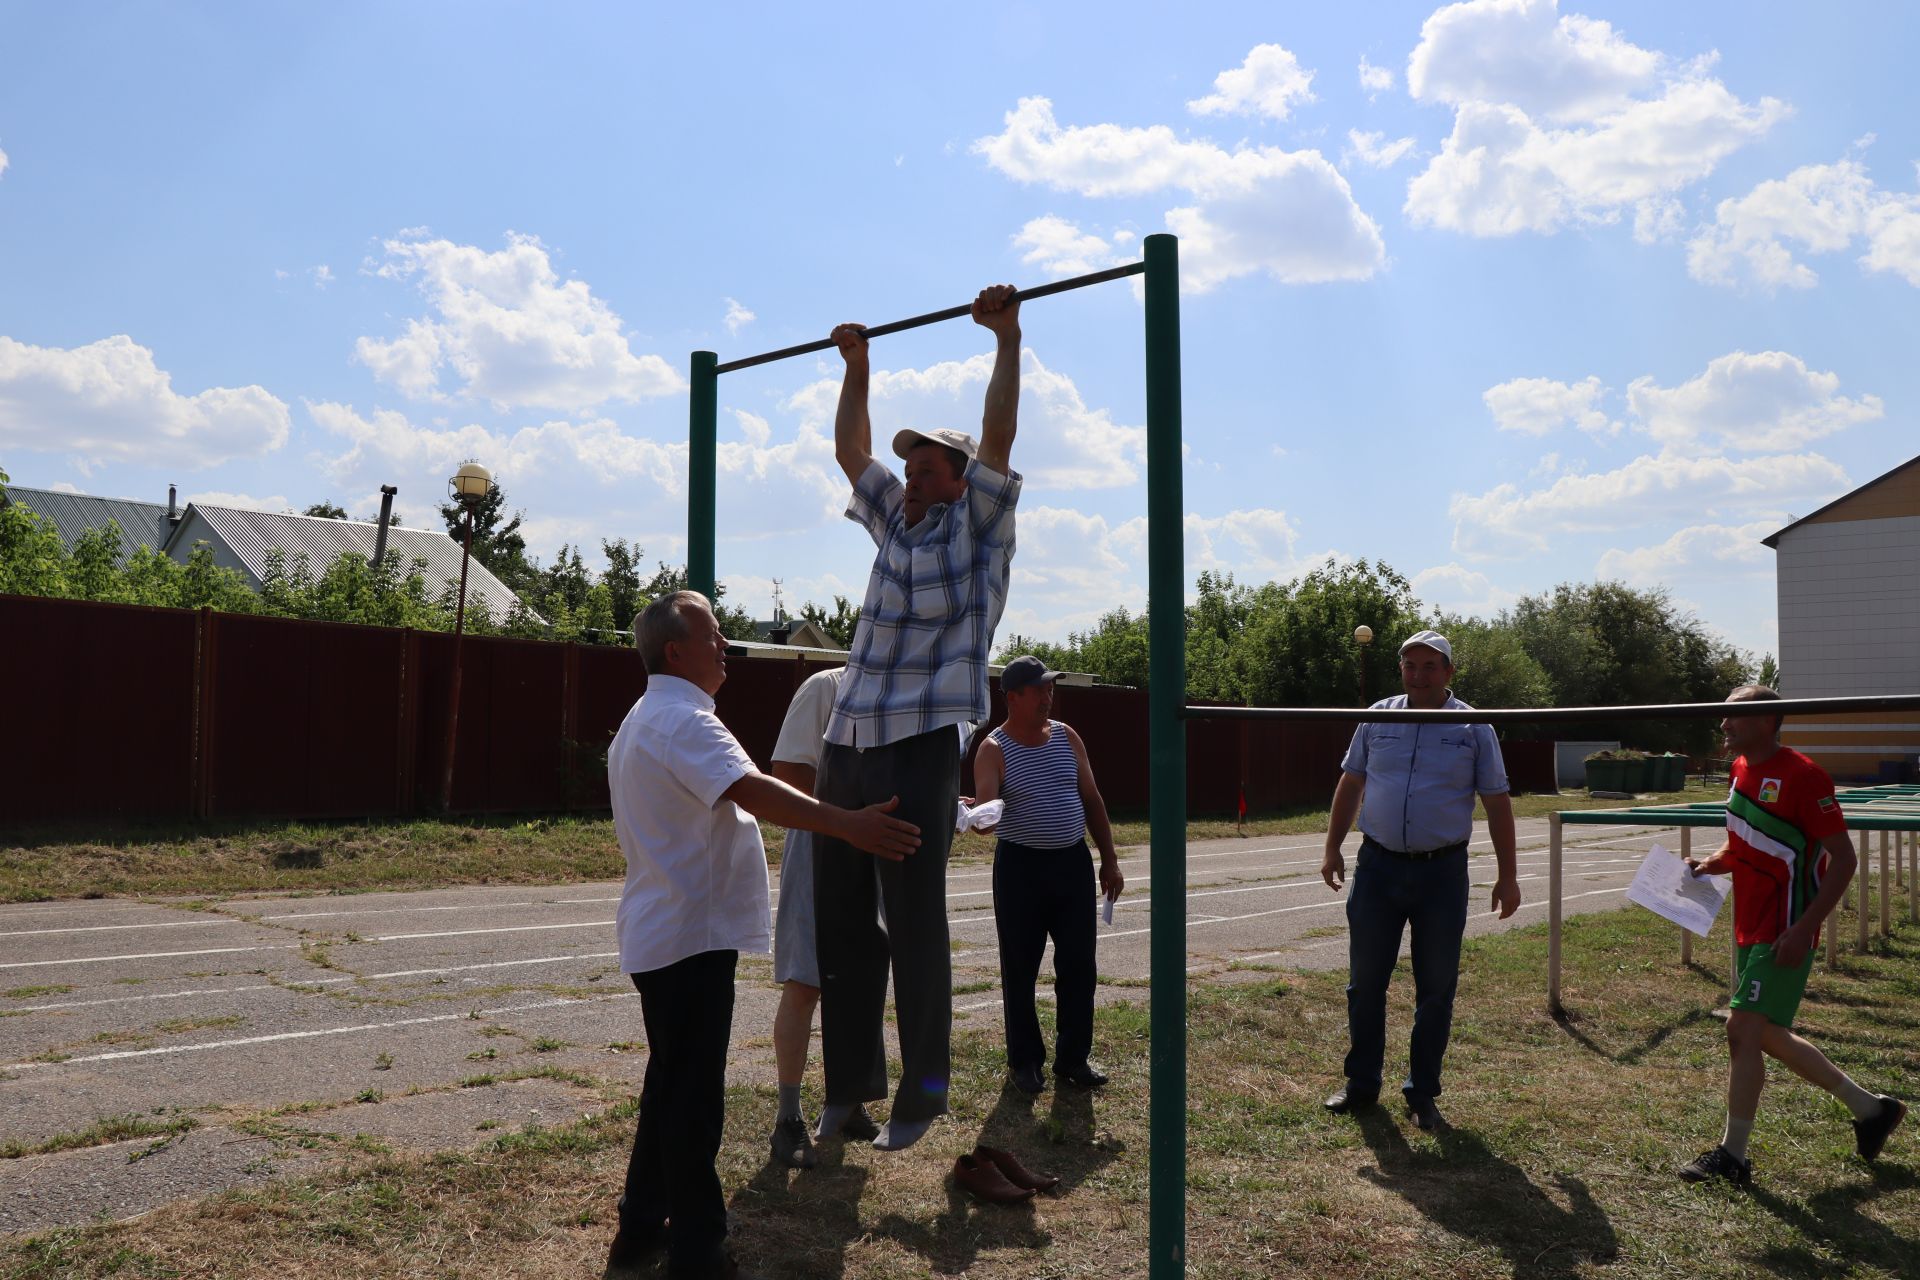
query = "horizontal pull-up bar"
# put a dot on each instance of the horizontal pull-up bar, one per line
(935, 317)
(1563, 715)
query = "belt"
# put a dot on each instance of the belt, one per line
(1420, 855)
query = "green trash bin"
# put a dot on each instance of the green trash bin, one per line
(1606, 775)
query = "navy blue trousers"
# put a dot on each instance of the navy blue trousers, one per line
(1387, 895)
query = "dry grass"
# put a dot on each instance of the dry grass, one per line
(1560, 1164)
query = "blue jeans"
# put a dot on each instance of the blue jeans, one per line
(1388, 894)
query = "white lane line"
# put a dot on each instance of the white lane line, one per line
(326, 1031)
(464, 906)
(145, 955)
(105, 928)
(318, 982)
(511, 928)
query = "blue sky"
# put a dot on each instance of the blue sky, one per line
(1505, 294)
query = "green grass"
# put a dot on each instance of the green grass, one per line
(165, 1124)
(1559, 1165)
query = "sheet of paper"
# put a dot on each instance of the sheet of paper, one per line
(1106, 910)
(982, 818)
(1665, 886)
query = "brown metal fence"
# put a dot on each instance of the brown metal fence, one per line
(121, 711)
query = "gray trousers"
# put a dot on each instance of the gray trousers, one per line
(855, 949)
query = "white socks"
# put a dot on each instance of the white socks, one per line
(1864, 1105)
(898, 1135)
(1735, 1138)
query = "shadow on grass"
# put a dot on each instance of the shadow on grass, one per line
(1836, 1217)
(1636, 1053)
(814, 1214)
(1466, 1190)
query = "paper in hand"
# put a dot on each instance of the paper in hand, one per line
(980, 818)
(1106, 910)
(1666, 886)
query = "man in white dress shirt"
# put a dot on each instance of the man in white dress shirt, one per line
(685, 796)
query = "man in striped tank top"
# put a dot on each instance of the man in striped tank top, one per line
(1788, 850)
(1041, 874)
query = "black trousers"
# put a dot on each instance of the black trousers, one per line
(855, 949)
(688, 1009)
(1037, 894)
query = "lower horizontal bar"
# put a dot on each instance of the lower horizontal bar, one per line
(1563, 715)
(935, 317)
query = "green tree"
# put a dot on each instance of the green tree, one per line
(735, 624)
(33, 558)
(1605, 643)
(1491, 667)
(840, 624)
(1769, 672)
(622, 580)
(497, 542)
(326, 510)
(1298, 648)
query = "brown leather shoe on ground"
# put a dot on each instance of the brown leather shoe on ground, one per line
(1016, 1173)
(985, 1181)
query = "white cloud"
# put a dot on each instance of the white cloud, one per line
(1061, 248)
(1764, 402)
(321, 275)
(1525, 52)
(1375, 80)
(3, 162)
(1697, 551)
(1267, 84)
(1658, 219)
(1063, 443)
(1559, 121)
(1536, 406)
(1373, 150)
(1454, 588)
(109, 402)
(509, 331)
(1822, 208)
(245, 501)
(1257, 209)
(737, 317)
(1506, 520)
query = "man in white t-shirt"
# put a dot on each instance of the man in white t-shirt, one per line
(684, 800)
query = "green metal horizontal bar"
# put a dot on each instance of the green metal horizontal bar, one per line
(1565, 715)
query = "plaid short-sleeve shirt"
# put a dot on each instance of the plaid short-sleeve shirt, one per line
(919, 659)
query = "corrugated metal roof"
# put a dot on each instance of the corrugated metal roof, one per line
(75, 513)
(250, 535)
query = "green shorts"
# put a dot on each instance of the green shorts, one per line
(1766, 988)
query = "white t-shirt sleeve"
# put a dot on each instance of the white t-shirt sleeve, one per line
(803, 734)
(704, 758)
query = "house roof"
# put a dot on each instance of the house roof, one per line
(800, 631)
(1773, 539)
(250, 535)
(73, 514)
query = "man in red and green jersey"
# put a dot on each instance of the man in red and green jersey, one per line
(1791, 859)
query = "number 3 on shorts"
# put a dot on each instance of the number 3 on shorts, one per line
(1753, 989)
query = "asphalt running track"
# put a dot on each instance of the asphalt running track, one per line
(116, 1006)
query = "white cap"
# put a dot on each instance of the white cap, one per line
(904, 442)
(1431, 640)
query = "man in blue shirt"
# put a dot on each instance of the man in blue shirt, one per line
(1412, 786)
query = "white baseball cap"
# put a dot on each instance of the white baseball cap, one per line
(1429, 639)
(906, 441)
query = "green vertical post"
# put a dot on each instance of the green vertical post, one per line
(1167, 793)
(703, 432)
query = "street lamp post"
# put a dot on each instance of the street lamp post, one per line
(1362, 637)
(468, 486)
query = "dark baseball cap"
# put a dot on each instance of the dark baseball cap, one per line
(1024, 672)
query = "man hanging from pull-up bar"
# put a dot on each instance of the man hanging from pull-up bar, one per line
(918, 667)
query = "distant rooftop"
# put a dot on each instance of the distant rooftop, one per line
(74, 514)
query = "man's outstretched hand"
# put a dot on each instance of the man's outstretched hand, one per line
(852, 341)
(997, 308)
(873, 831)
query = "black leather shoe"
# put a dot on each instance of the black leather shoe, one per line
(1028, 1079)
(1425, 1114)
(1348, 1098)
(1084, 1076)
(1870, 1135)
(632, 1250)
